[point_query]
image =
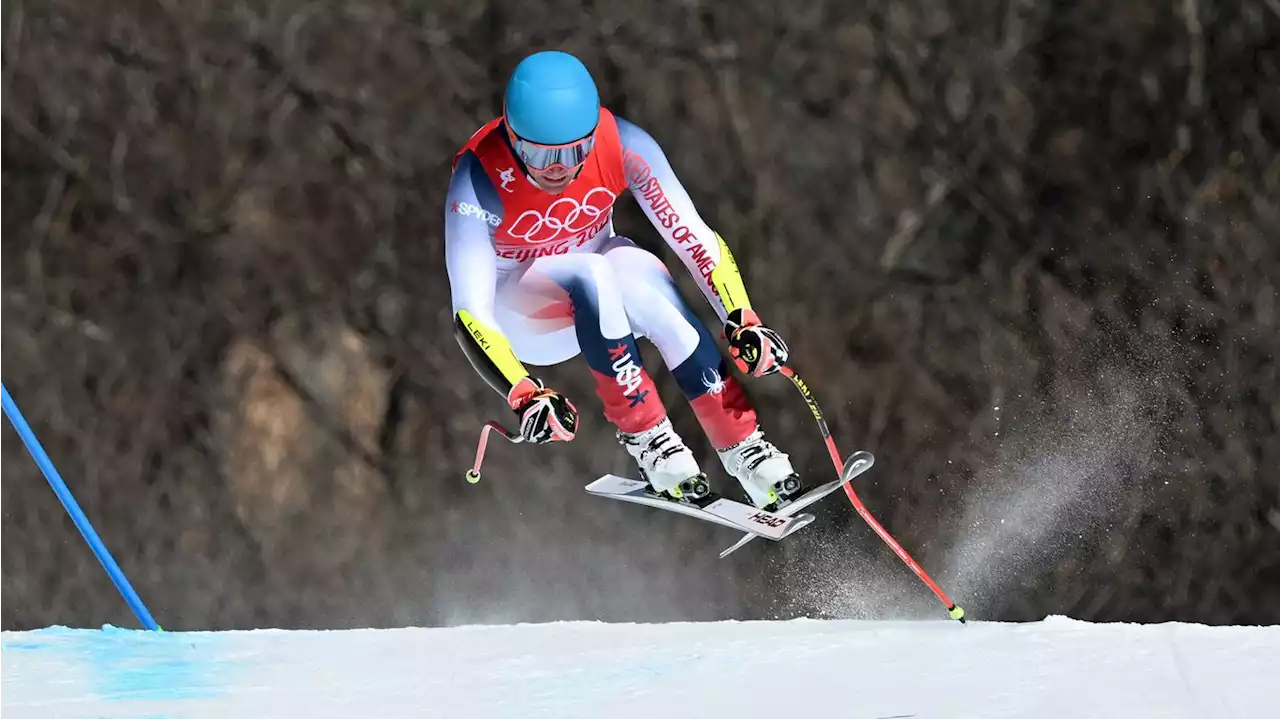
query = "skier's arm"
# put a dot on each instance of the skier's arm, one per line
(756, 349)
(472, 212)
(473, 271)
(668, 206)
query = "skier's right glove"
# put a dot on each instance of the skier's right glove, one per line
(545, 414)
(756, 349)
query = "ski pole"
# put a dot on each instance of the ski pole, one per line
(473, 474)
(953, 609)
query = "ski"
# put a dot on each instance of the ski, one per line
(722, 510)
(857, 463)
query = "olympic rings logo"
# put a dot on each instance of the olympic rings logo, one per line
(565, 215)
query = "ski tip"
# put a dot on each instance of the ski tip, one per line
(857, 463)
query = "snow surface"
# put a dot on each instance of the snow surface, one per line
(842, 668)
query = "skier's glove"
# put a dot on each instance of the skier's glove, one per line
(755, 349)
(545, 414)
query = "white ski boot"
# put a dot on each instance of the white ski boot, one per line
(666, 463)
(763, 470)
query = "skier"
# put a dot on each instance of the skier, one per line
(538, 276)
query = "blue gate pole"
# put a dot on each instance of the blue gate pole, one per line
(69, 502)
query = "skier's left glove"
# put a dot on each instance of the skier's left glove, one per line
(755, 349)
(545, 414)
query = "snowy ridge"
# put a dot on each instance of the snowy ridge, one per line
(860, 669)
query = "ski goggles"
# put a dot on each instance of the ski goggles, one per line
(540, 157)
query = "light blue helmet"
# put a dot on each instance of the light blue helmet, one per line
(551, 99)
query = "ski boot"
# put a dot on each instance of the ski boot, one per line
(667, 464)
(764, 472)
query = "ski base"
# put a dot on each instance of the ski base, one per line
(857, 463)
(722, 510)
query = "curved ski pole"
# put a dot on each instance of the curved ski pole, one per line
(473, 474)
(953, 609)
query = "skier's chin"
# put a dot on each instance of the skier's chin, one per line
(553, 181)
